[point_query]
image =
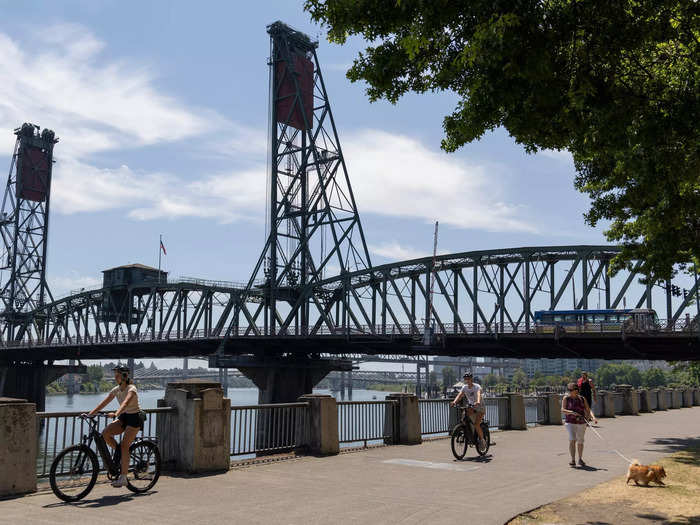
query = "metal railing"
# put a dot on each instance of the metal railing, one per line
(58, 430)
(497, 412)
(434, 416)
(366, 422)
(268, 429)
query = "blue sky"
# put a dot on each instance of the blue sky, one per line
(161, 110)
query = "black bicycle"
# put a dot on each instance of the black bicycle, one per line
(74, 471)
(464, 434)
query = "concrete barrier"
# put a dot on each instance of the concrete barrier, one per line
(407, 422)
(518, 421)
(554, 409)
(630, 400)
(677, 398)
(196, 438)
(322, 433)
(662, 402)
(696, 396)
(608, 404)
(645, 400)
(18, 446)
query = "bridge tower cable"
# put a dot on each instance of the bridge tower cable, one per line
(309, 189)
(24, 226)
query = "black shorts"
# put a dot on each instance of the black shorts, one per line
(130, 420)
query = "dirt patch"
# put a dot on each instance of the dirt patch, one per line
(614, 503)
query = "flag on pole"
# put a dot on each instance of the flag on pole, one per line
(162, 247)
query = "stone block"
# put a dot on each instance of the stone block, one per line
(196, 438)
(608, 403)
(645, 400)
(518, 421)
(630, 400)
(696, 396)
(407, 429)
(18, 446)
(321, 437)
(554, 405)
(677, 398)
(662, 399)
(687, 397)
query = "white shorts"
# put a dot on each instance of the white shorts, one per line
(576, 431)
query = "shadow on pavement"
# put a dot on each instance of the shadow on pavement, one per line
(589, 468)
(104, 501)
(678, 444)
(479, 459)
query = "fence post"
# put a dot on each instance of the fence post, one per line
(687, 397)
(608, 403)
(18, 443)
(676, 398)
(407, 428)
(322, 433)
(645, 396)
(661, 403)
(554, 405)
(630, 400)
(196, 438)
(516, 403)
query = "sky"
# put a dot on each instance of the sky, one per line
(161, 112)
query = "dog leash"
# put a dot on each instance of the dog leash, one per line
(606, 441)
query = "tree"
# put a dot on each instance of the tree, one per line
(614, 83)
(519, 378)
(654, 377)
(95, 373)
(490, 380)
(449, 377)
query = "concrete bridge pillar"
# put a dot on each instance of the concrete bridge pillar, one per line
(349, 385)
(516, 402)
(18, 446)
(196, 438)
(608, 404)
(661, 402)
(688, 397)
(28, 381)
(320, 438)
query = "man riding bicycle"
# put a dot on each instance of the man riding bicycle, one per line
(126, 418)
(472, 392)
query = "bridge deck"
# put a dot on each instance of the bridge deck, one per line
(400, 484)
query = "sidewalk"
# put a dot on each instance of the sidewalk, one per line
(400, 484)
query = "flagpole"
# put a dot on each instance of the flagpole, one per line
(160, 243)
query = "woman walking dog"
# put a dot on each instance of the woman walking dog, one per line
(576, 409)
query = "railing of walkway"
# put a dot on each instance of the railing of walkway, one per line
(434, 416)
(366, 422)
(497, 412)
(268, 429)
(58, 430)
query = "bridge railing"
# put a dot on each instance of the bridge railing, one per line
(58, 430)
(366, 422)
(268, 429)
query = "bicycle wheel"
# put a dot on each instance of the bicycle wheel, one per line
(459, 442)
(487, 440)
(74, 472)
(144, 466)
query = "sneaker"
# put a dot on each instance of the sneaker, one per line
(120, 481)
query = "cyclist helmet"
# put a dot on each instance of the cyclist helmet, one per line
(121, 368)
(467, 374)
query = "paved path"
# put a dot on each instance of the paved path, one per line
(401, 484)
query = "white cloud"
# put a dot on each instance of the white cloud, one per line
(396, 252)
(562, 155)
(397, 175)
(61, 285)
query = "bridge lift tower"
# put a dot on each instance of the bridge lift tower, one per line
(313, 227)
(24, 226)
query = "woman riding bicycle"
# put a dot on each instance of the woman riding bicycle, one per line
(473, 393)
(126, 418)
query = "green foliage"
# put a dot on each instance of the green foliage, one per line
(432, 378)
(617, 374)
(614, 83)
(654, 377)
(95, 373)
(686, 373)
(519, 378)
(490, 380)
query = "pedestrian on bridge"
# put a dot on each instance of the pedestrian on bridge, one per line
(576, 409)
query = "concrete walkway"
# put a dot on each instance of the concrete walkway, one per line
(401, 484)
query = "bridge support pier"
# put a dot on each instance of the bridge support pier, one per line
(29, 380)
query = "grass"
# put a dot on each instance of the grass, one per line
(613, 502)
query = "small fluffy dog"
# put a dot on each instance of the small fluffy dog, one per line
(645, 473)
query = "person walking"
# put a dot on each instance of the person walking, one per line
(587, 389)
(576, 409)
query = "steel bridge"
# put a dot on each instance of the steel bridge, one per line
(291, 312)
